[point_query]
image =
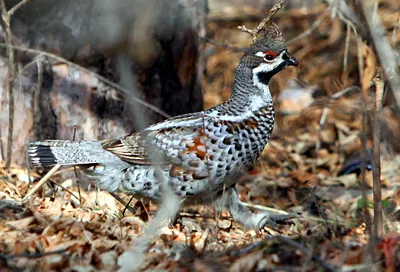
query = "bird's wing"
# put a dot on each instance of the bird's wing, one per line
(165, 141)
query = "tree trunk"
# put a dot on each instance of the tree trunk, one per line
(151, 48)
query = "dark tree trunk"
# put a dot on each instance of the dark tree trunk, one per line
(151, 46)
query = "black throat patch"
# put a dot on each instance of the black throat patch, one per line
(264, 77)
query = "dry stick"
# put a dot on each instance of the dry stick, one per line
(272, 12)
(132, 258)
(76, 173)
(346, 48)
(16, 7)
(315, 25)
(238, 16)
(78, 67)
(40, 183)
(384, 52)
(222, 45)
(378, 221)
(6, 16)
(67, 190)
(10, 81)
(396, 26)
(364, 99)
(31, 255)
(125, 204)
(38, 88)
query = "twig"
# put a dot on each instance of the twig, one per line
(2, 147)
(132, 258)
(76, 172)
(312, 191)
(222, 45)
(366, 75)
(16, 7)
(238, 15)
(315, 25)
(196, 215)
(10, 81)
(126, 205)
(317, 259)
(378, 221)
(264, 208)
(99, 77)
(40, 183)
(36, 99)
(347, 47)
(31, 255)
(381, 46)
(67, 190)
(272, 12)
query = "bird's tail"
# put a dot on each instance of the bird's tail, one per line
(52, 152)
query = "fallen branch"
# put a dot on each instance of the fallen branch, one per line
(32, 255)
(40, 183)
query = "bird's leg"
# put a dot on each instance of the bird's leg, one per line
(242, 214)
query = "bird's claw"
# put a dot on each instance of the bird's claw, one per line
(277, 219)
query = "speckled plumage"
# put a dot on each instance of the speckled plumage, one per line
(202, 153)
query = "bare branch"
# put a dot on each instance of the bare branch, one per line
(83, 69)
(272, 12)
(384, 52)
(378, 221)
(16, 7)
(10, 80)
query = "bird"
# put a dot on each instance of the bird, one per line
(201, 155)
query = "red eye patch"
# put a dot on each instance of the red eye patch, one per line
(270, 55)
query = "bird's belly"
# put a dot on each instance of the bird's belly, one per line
(196, 182)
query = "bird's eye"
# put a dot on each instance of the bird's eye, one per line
(269, 55)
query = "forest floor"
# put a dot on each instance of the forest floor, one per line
(310, 167)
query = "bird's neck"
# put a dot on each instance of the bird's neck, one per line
(249, 93)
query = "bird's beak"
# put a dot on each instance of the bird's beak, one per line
(289, 59)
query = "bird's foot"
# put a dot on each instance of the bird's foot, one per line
(274, 220)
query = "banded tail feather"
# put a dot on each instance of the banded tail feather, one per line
(62, 152)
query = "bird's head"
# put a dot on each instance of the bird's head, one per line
(267, 55)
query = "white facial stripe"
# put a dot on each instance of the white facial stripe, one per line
(260, 54)
(270, 65)
(266, 67)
